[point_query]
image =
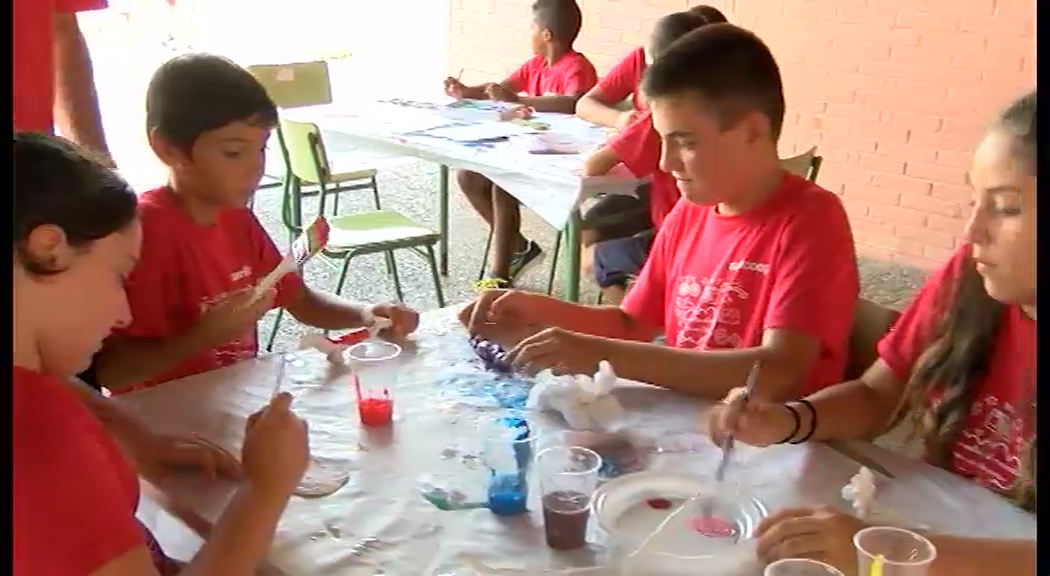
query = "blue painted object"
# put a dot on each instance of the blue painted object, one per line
(508, 494)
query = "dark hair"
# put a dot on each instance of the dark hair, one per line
(710, 13)
(562, 17)
(670, 28)
(728, 68)
(59, 184)
(963, 338)
(197, 93)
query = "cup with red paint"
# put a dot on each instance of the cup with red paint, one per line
(568, 478)
(374, 366)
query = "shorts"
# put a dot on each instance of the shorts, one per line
(616, 261)
(619, 215)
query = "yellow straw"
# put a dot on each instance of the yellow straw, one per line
(876, 565)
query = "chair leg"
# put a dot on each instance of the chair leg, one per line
(485, 256)
(375, 193)
(554, 263)
(437, 278)
(335, 204)
(388, 257)
(393, 273)
(273, 331)
(600, 298)
(342, 275)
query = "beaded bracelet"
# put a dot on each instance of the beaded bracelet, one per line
(798, 423)
(812, 421)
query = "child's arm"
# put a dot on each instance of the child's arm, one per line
(556, 104)
(321, 310)
(593, 109)
(127, 360)
(601, 162)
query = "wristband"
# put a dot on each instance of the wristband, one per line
(812, 421)
(798, 423)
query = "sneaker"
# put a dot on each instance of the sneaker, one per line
(522, 260)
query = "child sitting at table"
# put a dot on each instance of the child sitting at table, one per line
(76, 240)
(553, 80)
(618, 229)
(754, 265)
(602, 105)
(193, 294)
(960, 364)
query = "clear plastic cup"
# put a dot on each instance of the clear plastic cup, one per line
(509, 446)
(374, 369)
(900, 552)
(568, 477)
(801, 567)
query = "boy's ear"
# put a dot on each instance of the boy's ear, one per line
(547, 36)
(757, 127)
(168, 153)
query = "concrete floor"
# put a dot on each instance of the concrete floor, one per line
(412, 190)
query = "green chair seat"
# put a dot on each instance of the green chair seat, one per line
(382, 229)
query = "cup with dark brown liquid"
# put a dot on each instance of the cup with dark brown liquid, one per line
(568, 476)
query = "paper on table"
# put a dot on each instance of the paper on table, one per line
(478, 131)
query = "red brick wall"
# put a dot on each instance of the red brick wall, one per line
(894, 92)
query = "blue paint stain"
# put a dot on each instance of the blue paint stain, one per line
(508, 493)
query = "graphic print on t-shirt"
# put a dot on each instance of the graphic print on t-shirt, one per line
(712, 311)
(244, 347)
(989, 448)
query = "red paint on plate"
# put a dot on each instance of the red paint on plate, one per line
(659, 503)
(712, 527)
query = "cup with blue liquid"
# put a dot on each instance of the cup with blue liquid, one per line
(509, 446)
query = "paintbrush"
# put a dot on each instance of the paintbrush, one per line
(309, 243)
(279, 380)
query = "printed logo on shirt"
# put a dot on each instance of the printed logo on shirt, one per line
(749, 266)
(236, 350)
(244, 272)
(989, 449)
(709, 313)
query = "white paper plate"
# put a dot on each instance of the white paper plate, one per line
(622, 513)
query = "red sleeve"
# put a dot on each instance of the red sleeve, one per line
(152, 288)
(815, 282)
(638, 147)
(289, 286)
(519, 79)
(71, 513)
(74, 6)
(621, 80)
(901, 347)
(579, 81)
(646, 302)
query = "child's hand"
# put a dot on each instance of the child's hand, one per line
(498, 92)
(454, 88)
(509, 308)
(233, 317)
(562, 351)
(625, 119)
(403, 320)
(276, 448)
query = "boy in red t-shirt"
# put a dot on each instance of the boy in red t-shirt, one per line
(203, 251)
(754, 266)
(552, 81)
(603, 104)
(618, 229)
(959, 366)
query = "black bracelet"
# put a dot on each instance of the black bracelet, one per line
(798, 423)
(812, 421)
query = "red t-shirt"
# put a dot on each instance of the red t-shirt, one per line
(622, 80)
(34, 62)
(638, 148)
(573, 74)
(185, 268)
(717, 282)
(1001, 417)
(75, 494)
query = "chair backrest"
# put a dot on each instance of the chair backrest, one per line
(806, 164)
(295, 85)
(870, 323)
(306, 156)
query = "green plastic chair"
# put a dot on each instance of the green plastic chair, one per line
(303, 84)
(350, 235)
(806, 164)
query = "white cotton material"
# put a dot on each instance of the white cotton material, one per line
(861, 492)
(585, 402)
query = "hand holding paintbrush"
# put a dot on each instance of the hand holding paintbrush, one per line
(309, 243)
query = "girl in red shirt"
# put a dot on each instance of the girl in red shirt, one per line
(76, 239)
(959, 363)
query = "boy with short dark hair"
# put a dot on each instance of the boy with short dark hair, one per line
(552, 81)
(616, 253)
(192, 295)
(602, 105)
(755, 265)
